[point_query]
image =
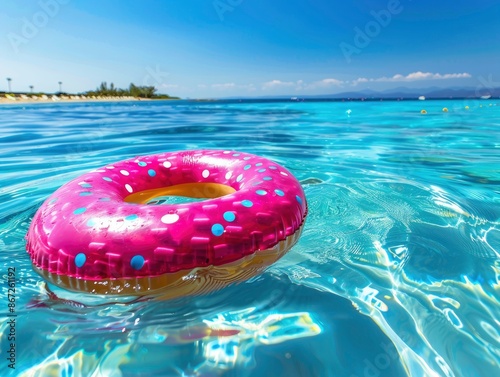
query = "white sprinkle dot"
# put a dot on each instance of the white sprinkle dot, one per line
(129, 188)
(110, 167)
(124, 172)
(205, 173)
(229, 175)
(170, 218)
(283, 173)
(167, 164)
(226, 152)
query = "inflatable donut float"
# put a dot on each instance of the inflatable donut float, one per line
(98, 234)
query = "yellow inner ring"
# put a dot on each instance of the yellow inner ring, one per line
(190, 190)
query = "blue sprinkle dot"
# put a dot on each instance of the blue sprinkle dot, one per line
(131, 217)
(217, 229)
(141, 163)
(247, 203)
(79, 211)
(236, 155)
(151, 172)
(107, 179)
(261, 192)
(104, 199)
(267, 179)
(247, 158)
(299, 199)
(53, 201)
(85, 193)
(137, 262)
(272, 167)
(80, 259)
(279, 192)
(258, 164)
(85, 185)
(229, 216)
(261, 170)
(239, 178)
(91, 222)
(247, 167)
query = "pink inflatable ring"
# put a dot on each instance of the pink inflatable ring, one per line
(97, 234)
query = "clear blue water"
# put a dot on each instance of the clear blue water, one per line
(396, 274)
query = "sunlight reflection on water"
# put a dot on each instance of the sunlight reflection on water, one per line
(397, 272)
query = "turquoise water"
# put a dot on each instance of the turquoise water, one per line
(397, 272)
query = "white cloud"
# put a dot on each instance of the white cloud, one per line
(415, 76)
(325, 83)
(300, 85)
(170, 86)
(463, 75)
(329, 82)
(229, 85)
(277, 84)
(360, 80)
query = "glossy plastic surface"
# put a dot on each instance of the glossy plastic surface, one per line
(86, 229)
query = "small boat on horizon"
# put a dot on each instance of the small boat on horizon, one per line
(421, 98)
(488, 96)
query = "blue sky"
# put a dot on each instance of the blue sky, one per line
(220, 48)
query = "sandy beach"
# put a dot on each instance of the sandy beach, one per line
(24, 99)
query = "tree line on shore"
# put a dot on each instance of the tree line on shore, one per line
(132, 91)
(104, 90)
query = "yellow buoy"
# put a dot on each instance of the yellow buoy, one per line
(445, 109)
(423, 111)
(466, 107)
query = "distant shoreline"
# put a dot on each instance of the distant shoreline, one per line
(52, 99)
(11, 100)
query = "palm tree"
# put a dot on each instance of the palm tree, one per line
(60, 86)
(9, 80)
(31, 87)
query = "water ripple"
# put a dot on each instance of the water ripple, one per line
(397, 272)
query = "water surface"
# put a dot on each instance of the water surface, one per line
(396, 274)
